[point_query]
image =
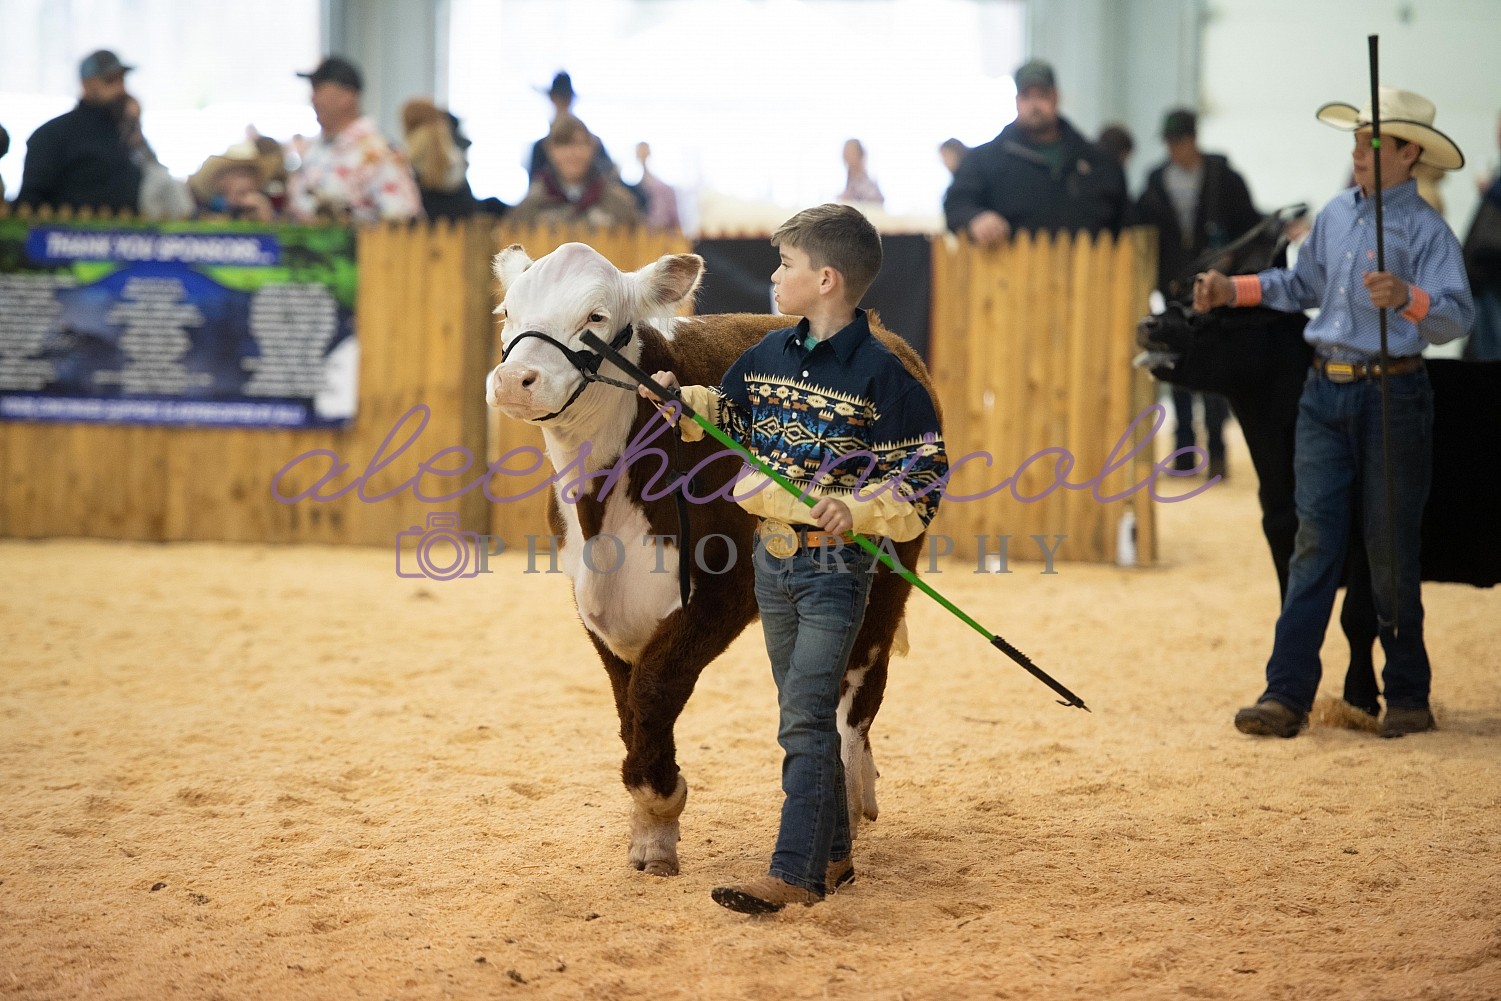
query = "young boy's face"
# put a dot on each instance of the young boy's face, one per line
(1396, 164)
(796, 282)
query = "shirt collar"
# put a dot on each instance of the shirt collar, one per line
(1403, 192)
(354, 132)
(844, 344)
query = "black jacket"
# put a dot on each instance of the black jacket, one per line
(1223, 213)
(1009, 176)
(79, 159)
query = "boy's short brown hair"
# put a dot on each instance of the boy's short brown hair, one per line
(839, 237)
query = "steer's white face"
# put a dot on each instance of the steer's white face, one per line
(567, 292)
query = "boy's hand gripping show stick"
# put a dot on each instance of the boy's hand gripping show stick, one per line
(664, 393)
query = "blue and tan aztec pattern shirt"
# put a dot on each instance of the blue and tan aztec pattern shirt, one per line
(1419, 248)
(801, 408)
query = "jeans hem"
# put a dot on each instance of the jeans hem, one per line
(802, 884)
(1286, 701)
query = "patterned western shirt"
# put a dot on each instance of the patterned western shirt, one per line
(1419, 248)
(801, 408)
(358, 171)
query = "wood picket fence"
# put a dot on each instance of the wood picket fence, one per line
(1031, 347)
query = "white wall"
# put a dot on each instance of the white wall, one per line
(1268, 64)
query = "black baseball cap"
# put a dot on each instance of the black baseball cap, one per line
(1179, 124)
(103, 63)
(336, 69)
(1035, 73)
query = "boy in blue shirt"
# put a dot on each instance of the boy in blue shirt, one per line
(1338, 458)
(799, 400)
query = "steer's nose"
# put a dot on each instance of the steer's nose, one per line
(512, 384)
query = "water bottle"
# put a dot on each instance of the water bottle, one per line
(1125, 540)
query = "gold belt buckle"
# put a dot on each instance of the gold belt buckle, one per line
(1339, 371)
(779, 538)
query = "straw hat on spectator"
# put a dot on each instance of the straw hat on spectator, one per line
(242, 155)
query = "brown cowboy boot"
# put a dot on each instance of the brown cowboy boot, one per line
(763, 895)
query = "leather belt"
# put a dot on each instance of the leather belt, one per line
(1350, 371)
(783, 539)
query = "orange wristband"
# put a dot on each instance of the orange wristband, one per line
(1247, 290)
(1417, 304)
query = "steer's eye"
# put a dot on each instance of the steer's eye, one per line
(597, 317)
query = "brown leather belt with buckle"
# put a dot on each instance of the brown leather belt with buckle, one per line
(783, 539)
(1348, 371)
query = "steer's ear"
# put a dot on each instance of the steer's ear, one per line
(509, 264)
(667, 281)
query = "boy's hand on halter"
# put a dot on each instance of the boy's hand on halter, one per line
(833, 516)
(666, 380)
(1212, 289)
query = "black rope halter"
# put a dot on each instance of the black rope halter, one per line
(586, 362)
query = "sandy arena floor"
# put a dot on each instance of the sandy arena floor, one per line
(284, 773)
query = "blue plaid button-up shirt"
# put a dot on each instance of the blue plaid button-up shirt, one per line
(1419, 248)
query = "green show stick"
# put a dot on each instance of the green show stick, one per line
(664, 393)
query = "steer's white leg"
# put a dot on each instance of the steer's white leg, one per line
(854, 751)
(654, 828)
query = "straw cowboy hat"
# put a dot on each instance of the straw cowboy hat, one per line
(242, 154)
(1404, 115)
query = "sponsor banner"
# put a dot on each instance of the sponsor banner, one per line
(204, 324)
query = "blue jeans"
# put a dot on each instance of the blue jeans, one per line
(1338, 465)
(812, 604)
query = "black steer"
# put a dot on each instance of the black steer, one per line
(1257, 359)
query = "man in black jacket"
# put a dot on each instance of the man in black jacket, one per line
(79, 158)
(1197, 203)
(1038, 174)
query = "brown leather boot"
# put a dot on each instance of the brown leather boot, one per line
(1400, 721)
(763, 895)
(1270, 718)
(838, 874)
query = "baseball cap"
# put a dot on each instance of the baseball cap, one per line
(336, 69)
(1179, 123)
(103, 63)
(1035, 73)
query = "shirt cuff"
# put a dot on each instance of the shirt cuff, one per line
(703, 401)
(1247, 290)
(1417, 305)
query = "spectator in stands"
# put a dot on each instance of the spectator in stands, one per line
(952, 152)
(859, 186)
(4, 149)
(437, 148)
(1039, 173)
(236, 184)
(1116, 140)
(80, 158)
(562, 95)
(1197, 203)
(162, 196)
(572, 187)
(349, 170)
(661, 202)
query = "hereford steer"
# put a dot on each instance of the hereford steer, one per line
(1258, 360)
(619, 524)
